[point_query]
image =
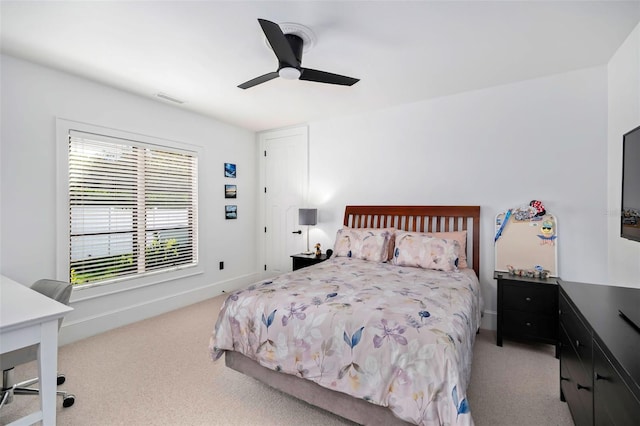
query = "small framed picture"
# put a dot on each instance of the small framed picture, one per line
(230, 212)
(229, 170)
(230, 191)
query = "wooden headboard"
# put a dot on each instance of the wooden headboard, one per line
(422, 219)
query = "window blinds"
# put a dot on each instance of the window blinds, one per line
(132, 208)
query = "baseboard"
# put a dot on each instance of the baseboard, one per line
(489, 320)
(82, 328)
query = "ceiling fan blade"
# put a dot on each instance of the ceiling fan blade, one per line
(279, 43)
(258, 80)
(327, 77)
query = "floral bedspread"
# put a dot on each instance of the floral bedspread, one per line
(399, 337)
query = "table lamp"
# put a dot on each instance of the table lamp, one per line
(307, 217)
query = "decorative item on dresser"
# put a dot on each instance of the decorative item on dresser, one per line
(304, 260)
(526, 241)
(599, 354)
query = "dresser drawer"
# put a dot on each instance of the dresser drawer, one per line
(527, 309)
(530, 298)
(527, 324)
(600, 383)
(579, 336)
(615, 404)
(576, 383)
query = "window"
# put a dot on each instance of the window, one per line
(132, 208)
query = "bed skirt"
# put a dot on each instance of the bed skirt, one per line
(343, 405)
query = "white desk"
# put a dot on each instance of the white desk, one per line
(26, 318)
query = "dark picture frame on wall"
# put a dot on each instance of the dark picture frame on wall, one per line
(229, 170)
(230, 191)
(231, 211)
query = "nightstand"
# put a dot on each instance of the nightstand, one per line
(304, 260)
(527, 309)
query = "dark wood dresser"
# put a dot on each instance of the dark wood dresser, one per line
(599, 354)
(527, 309)
(304, 260)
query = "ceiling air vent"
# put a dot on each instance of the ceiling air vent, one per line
(169, 98)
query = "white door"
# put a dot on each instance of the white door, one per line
(284, 164)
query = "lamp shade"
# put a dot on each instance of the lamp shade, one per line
(307, 216)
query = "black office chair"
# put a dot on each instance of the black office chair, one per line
(61, 292)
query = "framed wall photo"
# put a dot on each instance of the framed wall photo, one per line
(230, 212)
(230, 191)
(229, 170)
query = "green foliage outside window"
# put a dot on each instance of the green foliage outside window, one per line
(157, 254)
(83, 271)
(161, 253)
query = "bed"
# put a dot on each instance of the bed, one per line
(380, 333)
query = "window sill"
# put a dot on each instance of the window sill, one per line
(93, 291)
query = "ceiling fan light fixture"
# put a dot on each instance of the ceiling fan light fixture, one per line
(289, 73)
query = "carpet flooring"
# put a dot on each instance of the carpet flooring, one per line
(157, 372)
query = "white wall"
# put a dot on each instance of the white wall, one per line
(32, 98)
(498, 148)
(624, 115)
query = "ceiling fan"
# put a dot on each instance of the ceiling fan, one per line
(288, 49)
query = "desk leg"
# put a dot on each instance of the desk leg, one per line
(48, 370)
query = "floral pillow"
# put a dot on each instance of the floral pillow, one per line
(424, 251)
(461, 238)
(364, 243)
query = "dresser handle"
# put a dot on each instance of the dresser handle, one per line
(599, 377)
(577, 343)
(528, 324)
(564, 378)
(528, 299)
(579, 386)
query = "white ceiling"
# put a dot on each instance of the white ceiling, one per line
(403, 51)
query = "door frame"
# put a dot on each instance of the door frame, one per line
(262, 137)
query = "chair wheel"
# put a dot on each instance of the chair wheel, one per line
(61, 379)
(68, 401)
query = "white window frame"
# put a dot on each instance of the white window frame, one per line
(89, 291)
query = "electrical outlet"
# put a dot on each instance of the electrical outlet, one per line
(221, 265)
